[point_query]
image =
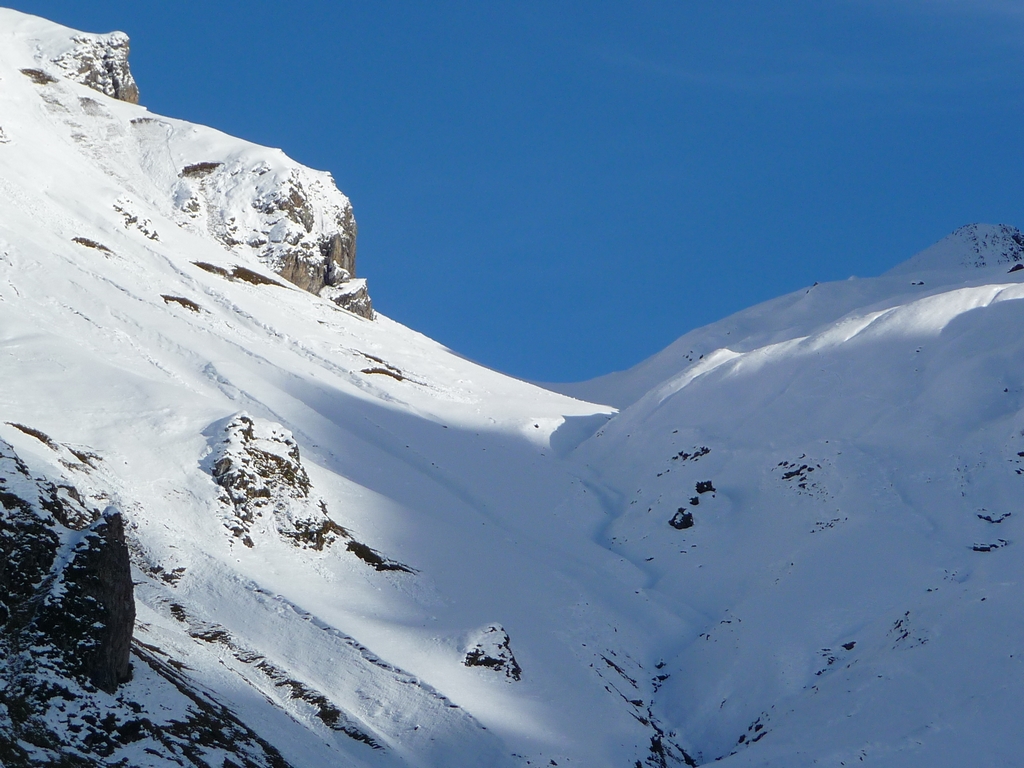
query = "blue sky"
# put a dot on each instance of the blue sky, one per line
(559, 190)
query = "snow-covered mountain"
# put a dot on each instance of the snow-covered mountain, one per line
(248, 522)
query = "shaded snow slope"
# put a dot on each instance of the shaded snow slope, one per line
(794, 545)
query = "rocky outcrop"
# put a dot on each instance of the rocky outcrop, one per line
(98, 599)
(257, 464)
(101, 62)
(292, 219)
(491, 648)
(63, 590)
(66, 601)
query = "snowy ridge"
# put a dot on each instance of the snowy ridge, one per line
(976, 254)
(794, 545)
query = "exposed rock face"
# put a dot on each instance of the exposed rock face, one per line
(294, 220)
(490, 647)
(66, 600)
(101, 62)
(64, 590)
(99, 577)
(257, 464)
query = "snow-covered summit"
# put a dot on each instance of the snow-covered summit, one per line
(974, 246)
(974, 255)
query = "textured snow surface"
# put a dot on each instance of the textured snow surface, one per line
(851, 457)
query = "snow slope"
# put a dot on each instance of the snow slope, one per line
(851, 582)
(793, 545)
(113, 338)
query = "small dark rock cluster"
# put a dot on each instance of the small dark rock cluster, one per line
(681, 520)
(491, 648)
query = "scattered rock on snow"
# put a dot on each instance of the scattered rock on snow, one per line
(182, 301)
(39, 77)
(88, 243)
(997, 544)
(696, 454)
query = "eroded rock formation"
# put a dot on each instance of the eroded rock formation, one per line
(101, 62)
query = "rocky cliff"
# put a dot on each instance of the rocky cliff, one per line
(67, 609)
(100, 62)
(256, 203)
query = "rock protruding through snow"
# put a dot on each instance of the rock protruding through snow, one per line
(257, 464)
(973, 246)
(290, 218)
(101, 62)
(491, 647)
(99, 576)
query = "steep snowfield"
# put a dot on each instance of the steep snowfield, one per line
(113, 340)
(793, 546)
(851, 583)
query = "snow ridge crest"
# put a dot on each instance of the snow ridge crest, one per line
(973, 246)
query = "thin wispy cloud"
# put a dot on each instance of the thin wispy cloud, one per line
(907, 47)
(806, 80)
(1011, 8)
(983, 11)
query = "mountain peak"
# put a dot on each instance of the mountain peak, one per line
(974, 246)
(252, 203)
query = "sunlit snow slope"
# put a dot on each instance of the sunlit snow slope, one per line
(851, 584)
(794, 545)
